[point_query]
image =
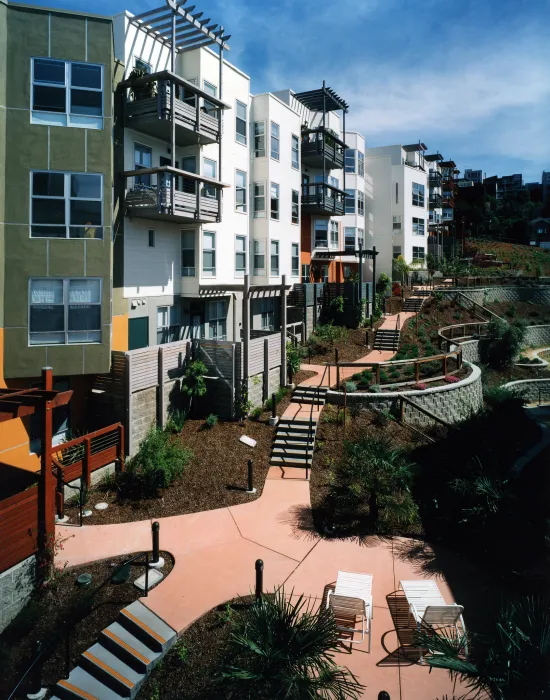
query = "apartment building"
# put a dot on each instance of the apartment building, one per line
(475, 176)
(397, 203)
(56, 164)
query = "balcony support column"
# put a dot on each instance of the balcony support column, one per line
(344, 150)
(324, 144)
(220, 138)
(173, 112)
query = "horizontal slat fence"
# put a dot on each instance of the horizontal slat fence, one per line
(18, 527)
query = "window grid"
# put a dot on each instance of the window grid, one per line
(360, 203)
(209, 254)
(259, 258)
(396, 251)
(349, 160)
(320, 233)
(418, 226)
(349, 202)
(396, 223)
(188, 254)
(418, 253)
(295, 207)
(217, 320)
(240, 191)
(259, 200)
(240, 125)
(259, 139)
(360, 163)
(334, 234)
(417, 194)
(240, 256)
(274, 259)
(275, 201)
(349, 238)
(295, 152)
(275, 141)
(295, 260)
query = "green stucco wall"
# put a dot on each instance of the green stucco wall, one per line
(26, 32)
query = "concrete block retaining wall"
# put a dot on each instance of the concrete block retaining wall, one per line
(144, 415)
(16, 585)
(453, 403)
(538, 295)
(256, 386)
(537, 336)
(532, 390)
(470, 351)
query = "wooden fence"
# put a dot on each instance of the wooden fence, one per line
(19, 527)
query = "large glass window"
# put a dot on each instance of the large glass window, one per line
(349, 238)
(417, 194)
(275, 201)
(187, 253)
(209, 169)
(361, 237)
(217, 320)
(334, 234)
(168, 326)
(360, 203)
(295, 207)
(66, 205)
(418, 253)
(295, 260)
(275, 141)
(66, 93)
(306, 273)
(208, 254)
(143, 158)
(240, 126)
(259, 139)
(259, 258)
(64, 311)
(418, 227)
(267, 314)
(349, 160)
(349, 202)
(274, 259)
(259, 200)
(240, 255)
(320, 233)
(360, 163)
(396, 223)
(295, 152)
(240, 190)
(209, 107)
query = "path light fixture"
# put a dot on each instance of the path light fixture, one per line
(250, 488)
(259, 578)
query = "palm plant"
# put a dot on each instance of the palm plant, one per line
(513, 662)
(282, 649)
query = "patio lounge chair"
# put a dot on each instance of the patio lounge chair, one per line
(428, 608)
(351, 601)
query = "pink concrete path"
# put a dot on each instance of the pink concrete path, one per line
(215, 551)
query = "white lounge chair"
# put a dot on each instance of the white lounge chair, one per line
(428, 607)
(351, 601)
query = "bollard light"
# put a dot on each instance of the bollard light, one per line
(250, 488)
(259, 578)
(273, 405)
(155, 527)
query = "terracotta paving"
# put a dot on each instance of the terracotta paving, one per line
(215, 551)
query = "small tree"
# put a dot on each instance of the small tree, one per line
(503, 343)
(194, 383)
(383, 283)
(401, 269)
(430, 264)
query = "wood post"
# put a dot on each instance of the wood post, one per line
(401, 410)
(378, 374)
(46, 485)
(246, 327)
(445, 365)
(265, 387)
(283, 331)
(121, 446)
(233, 379)
(87, 462)
(160, 389)
(416, 371)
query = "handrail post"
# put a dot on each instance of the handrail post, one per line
(60, 494)
(416, 371)
(121, 446)
(87, 462)
(378, 373)
(146, 574)
(259, 566)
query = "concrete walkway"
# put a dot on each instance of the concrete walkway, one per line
(215, 552)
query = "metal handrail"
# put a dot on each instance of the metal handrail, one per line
(315, 402)
(67, 627)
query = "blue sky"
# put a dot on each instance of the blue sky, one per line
(471, 79)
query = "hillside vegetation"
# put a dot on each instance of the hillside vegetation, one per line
(522, 257)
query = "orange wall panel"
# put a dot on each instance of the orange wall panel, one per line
(120, 332)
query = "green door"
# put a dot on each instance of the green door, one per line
(138, 332)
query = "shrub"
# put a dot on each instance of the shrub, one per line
(503, 343)
(409, 371)
(176, 421)
(194, 383)
(293, 358)
(384, 376)
(420, 386)
(331, 334)
(451, 379)
(511, 311)
(367, 375)
(159, 460)
(394, 374)
(375, 388)
(211, 420)
(351, 386)
(256, 413)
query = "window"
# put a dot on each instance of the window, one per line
(320, 233)
(295, 206)
(334, 234)
(240, 255)
(349, 202)
(64, 311)
(418, 195)
(324, 273)
(189, 164)
(151, 238)
(295, 259)
(396, 251)
(306, 274)
(349, 238)
(295, 152)
(397, 193)
(396, 223)
(66, 93)
(209, 169)
(360, 164)
(167, 324)
(140, 64)
(259, 258)
(187, 253)
(274, 258)
(259, 200)
(240, 127)
(209, 254)
(259, 139)
(334, 182)
(360, 203)
(210, 107)
(240, 191)
(418, 253)
(66, 205)
(275, 201)
(418, 226)
(349, 160)
(142, 159)
(275, 141)
(217, 320)
(361, 237)
(267, 314)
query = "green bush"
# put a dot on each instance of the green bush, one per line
(384, 376)
(211, 420)
(159, 460)
(394, 374)
(367, 375)
(357, 377)
(294, 356)
(502, 344)
(351, 386)
(331, 334)
(409, 371)
(256, 413)
(176, 421)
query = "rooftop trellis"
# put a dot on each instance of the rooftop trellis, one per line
(191, 31)
(315, 100)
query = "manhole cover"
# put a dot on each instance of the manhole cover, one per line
(84, 579)
(101, 506)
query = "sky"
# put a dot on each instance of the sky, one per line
(470, 79)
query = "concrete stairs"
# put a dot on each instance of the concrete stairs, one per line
(386, 339)
(413, 304)
(118, 663)
(294, 442)
(310, 394)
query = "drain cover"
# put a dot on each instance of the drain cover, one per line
(122, 575)
(84, 579)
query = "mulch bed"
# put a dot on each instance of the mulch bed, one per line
(493, 378)
(49, 608)
(350, 349)
(216, 476)
(532, 314)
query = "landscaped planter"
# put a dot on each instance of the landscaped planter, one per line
(532, 390)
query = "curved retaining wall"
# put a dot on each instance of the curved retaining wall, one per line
(532, 390)
(452, 403)
(538, 295)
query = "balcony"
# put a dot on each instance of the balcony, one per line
(448, 198)
(435, 201)
(323, 199)
(196, 114)
(434, 179)
(315, 142)
(194, 199)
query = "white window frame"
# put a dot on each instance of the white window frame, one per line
(258, 252)
(275, 154)
(211, 271)
(295, 259)
(217, 314)
(144, 180)
(333, 233)
(66, 118)
(277, 198)
(241, 207)
(397, 251)
(350, 194)
(418, 226)
(66, 285)
(240, 240)
(209, 190)
(347, 236)
(240, 138)
(267, 312)
(349, 154)
(295, 208)
(189, 271)
(361, 164)
(320, 225)
(259, 213)
(418, 195)
(418, 249)
(67, 198)
(360, 203)
(166, 326)
(295, 151)
(396, 226)
(259, 140)
(277, 256)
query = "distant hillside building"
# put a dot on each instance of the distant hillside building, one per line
(475, 176)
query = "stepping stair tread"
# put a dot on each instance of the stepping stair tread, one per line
(110, 664)
(83, 685)
(138, 616)
(279, 442)
(132, 648)
(290, 461)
